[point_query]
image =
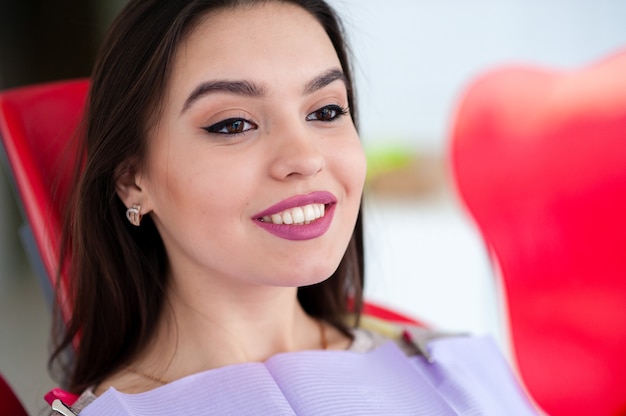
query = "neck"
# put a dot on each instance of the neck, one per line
(201, 330)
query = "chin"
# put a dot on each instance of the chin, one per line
(307, 276)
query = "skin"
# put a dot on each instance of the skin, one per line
(232, 299)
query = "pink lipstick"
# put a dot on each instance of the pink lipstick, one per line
(301, 217)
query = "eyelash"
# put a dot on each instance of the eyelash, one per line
(225, 124)
(338, 113)
(241, 125)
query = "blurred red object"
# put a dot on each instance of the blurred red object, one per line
(36, 125)
(9, 402)
(378, 311)
(539, 159)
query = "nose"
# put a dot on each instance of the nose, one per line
(296, 153)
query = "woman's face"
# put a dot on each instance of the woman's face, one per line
(254, 171)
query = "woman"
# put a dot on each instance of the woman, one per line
(216, 219)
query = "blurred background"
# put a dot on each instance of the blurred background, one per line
(413, 59)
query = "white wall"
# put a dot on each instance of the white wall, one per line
(414, 56)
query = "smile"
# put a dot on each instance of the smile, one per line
(301, 217)
(297, 215)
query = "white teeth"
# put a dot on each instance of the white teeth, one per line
(309, 213)
(297, 215)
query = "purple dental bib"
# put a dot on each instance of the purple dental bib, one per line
(468, 376)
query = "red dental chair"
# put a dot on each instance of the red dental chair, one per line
(36, 125)
(9, 402)
(539, 159)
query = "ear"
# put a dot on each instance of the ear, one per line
(128, 187)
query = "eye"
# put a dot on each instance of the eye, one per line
(231, 126)
(327, 114)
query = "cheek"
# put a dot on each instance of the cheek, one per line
(349, 161)
(360, 163)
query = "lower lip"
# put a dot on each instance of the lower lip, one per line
(301, 232)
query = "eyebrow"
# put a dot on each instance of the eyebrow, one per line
(325, 79)
(250, 89)
(244, 88)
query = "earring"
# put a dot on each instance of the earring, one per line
(134, 215)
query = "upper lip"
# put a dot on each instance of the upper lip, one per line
(317, 197)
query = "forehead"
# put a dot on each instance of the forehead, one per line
(271, 39)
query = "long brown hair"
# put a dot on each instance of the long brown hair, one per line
(118, 272)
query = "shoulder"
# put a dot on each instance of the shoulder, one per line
(412, 340)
